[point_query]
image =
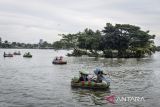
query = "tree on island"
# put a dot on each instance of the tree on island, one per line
(89, 40)
(124, 37)
(127, 40)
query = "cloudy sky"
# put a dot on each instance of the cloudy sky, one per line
(31, 20)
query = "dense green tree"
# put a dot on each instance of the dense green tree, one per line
(90, 40)
(124, 36)
(58, 45)
(69, 40)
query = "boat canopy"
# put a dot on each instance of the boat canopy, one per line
(84, 72)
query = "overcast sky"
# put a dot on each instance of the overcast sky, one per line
(31, 20)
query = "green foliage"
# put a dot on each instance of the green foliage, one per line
(128, 40)
(69, 40)
(124, 36)
(58, 45)
(88, 39)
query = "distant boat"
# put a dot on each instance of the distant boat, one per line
(7, 55)
(27, 55)
(59, 60)
(17, 53)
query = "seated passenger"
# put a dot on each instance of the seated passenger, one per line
(56, 58)
(81, 78)
(60, 58)
(86, 77)
(99, 74)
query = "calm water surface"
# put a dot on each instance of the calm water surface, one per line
(35, 82)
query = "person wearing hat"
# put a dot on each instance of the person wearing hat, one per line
(99, 74)
(83, 76)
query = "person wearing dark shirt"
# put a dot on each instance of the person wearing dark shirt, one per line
(81, 79)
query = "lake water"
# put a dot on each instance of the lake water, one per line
(36, 82)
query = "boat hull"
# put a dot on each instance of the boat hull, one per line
(59, 63)
(27, 56)
(8, 55)
(17, 54)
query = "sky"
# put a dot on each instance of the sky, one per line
(30, 20)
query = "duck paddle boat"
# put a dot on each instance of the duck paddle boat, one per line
(17, 53)
(27, 55)
(84, 82)
(59, 61)
(7, 55)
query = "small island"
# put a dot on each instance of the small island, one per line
(114, 41)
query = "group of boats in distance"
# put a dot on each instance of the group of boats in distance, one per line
(57, 60)
(27, 54)
(85, 80)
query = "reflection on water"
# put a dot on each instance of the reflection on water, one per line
(36, 82)
(90, 97)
